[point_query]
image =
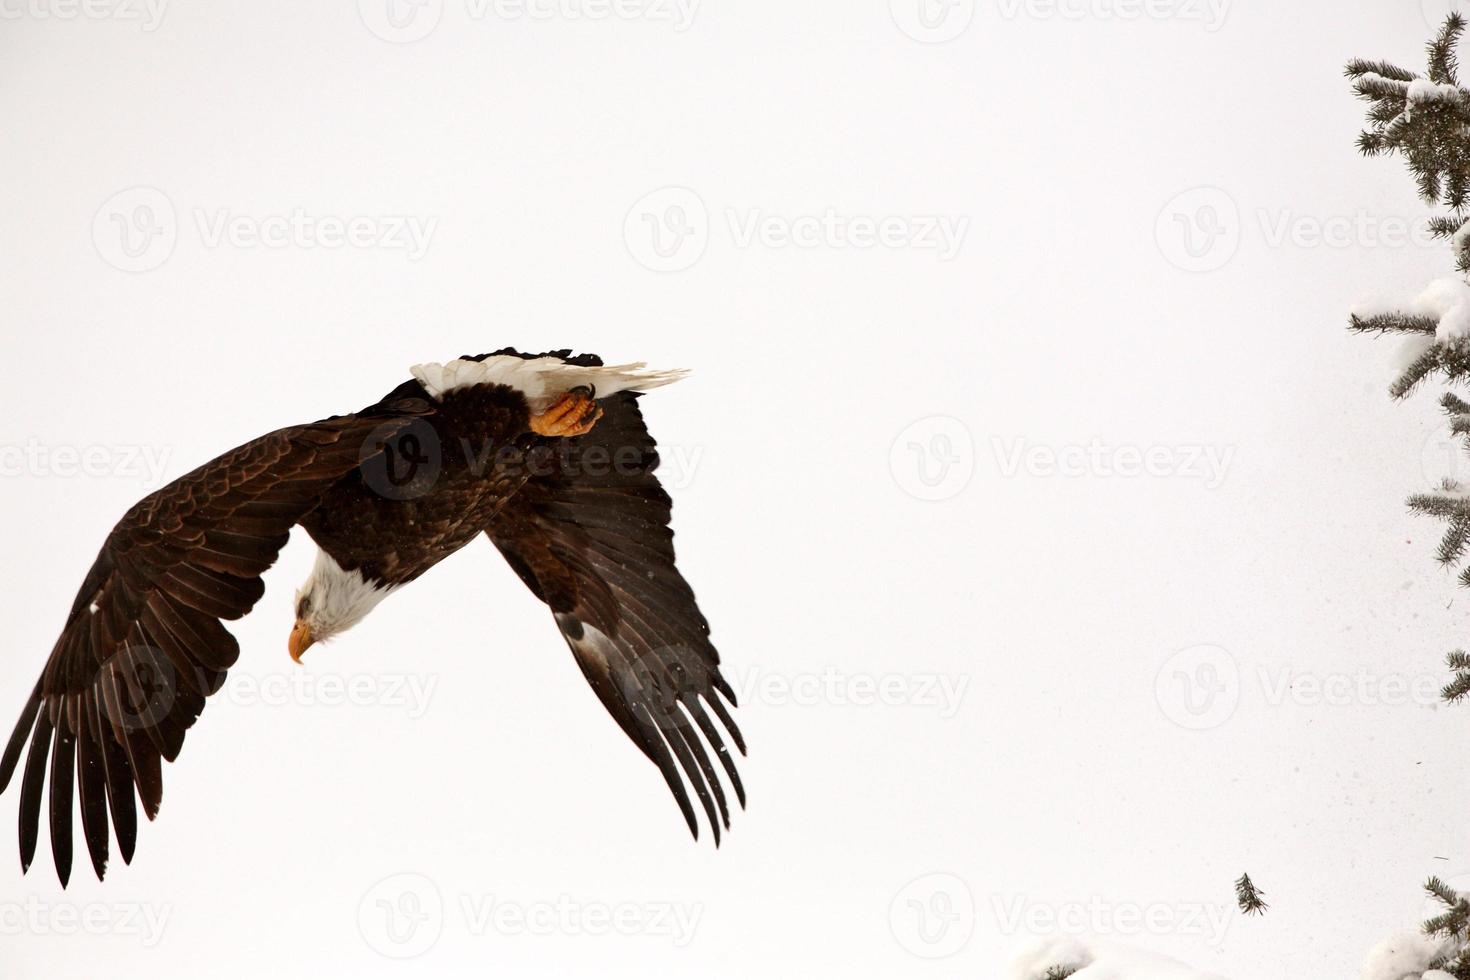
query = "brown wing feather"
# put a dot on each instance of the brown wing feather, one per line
(592, 541)
(144, 645)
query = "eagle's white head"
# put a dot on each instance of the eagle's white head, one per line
(332, 601)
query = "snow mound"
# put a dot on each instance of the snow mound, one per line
(1099, 961)
(1406, 956)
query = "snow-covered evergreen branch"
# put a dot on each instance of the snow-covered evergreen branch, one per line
(1426, 119)
(1423, 118)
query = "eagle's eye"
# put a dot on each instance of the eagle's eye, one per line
(303, 606)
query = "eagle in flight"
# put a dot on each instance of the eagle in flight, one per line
(547, 456)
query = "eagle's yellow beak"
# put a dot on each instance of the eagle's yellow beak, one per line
(301, 640)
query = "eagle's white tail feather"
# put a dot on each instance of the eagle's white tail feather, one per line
(541, 379)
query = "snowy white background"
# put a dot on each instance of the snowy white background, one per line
(1060, 703)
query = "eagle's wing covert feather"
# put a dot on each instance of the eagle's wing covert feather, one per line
(592, 540)
(144, 644)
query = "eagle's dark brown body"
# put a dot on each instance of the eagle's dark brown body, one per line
(387, 493)
(437, 486)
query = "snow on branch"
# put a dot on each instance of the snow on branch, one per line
(1065, 958)
(1422, 117)
(1437, 325)
(1426, 119)
(1404, 955)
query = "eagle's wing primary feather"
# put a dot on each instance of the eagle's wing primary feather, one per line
(144, 645)
(592, 540)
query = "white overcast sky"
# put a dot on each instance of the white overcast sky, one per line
(1048, 519)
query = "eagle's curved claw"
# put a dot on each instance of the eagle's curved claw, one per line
(573, 414)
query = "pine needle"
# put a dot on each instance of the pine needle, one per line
(1252, 900)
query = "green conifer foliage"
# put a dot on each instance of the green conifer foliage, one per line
(1426, 120)
(1452, 924)
(1252, 900)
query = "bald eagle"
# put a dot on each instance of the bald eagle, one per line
(546, 455)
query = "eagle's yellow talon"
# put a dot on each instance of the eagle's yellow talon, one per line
(573, 414)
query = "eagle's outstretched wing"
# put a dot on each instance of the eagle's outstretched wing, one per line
(144, 645)
(591, 539)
